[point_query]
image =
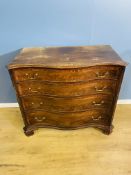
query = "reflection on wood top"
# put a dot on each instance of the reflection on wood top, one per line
(66, 57)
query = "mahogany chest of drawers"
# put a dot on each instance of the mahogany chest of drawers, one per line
(67, 87)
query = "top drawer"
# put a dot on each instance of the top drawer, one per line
(67, 75)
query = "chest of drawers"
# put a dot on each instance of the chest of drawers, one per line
(67, 87)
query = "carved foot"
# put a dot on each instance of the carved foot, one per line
(108, 130)
(28, 132)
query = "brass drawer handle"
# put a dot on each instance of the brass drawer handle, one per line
(96, 118)
(98, 104)
(32, 77)
(99, 75)
(100, 90)
(34, 91)
(40, 119)
(41, 103)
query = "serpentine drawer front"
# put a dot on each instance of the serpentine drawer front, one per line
(67, 87)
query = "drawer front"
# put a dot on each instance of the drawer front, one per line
(68, 120)
(53, 104)
(66, 89)
(67, 75)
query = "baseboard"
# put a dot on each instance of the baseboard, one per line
(124, 101)
(8, 105)
(13, 105)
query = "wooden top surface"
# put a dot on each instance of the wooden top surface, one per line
(66, 57)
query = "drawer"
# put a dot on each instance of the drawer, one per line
(68, 120)
(53, 104)
(66, 89)
(67, 75)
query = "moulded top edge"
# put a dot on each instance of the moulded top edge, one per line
(12, 66)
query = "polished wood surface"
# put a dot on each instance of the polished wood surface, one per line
(67, 75)
(69, 119)
(67, 57)
(66, 89)
(55, 152)
(53, 92)
(70, 104)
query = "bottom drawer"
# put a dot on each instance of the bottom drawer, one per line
(68, 120)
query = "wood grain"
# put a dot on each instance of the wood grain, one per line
(70, 104)
(67, 57)
(66, 89)
(56, 152)
(67, 75)
(52, 74)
